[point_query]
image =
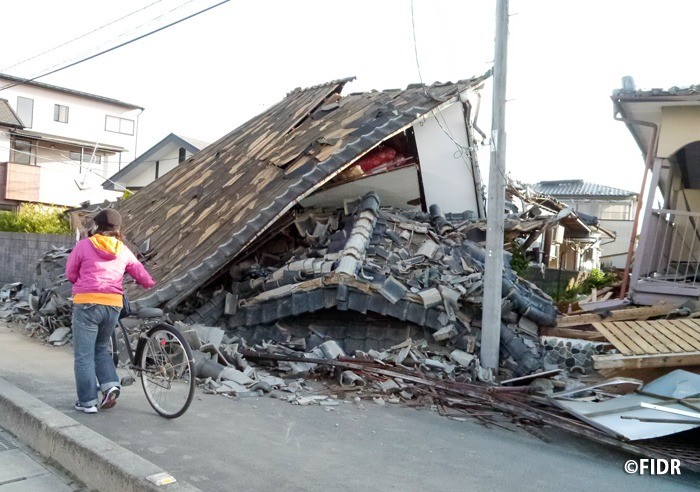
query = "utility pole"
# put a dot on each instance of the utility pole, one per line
(493, 275)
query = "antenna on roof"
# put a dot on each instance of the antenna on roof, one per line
(628, 84)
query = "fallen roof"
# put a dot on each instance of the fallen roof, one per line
(578, 188)
(202, 214)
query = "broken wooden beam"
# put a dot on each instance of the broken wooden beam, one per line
(620, 361)
(627, 314)
(590, 335)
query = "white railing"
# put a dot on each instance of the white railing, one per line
(672, 252)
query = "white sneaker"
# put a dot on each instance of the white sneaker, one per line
(85, 409)
(110, 397)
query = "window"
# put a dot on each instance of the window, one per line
(25, 111)
(22, 151)
(60, 113)
(86, 157)
(119, 125)
(181, 156)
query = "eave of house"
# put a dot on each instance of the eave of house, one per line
(100, 146)
(647, 108)
(13, 81)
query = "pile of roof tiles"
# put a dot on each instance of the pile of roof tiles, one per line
(406, 265)
(43, 310)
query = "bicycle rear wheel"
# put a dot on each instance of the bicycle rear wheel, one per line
(167, 371)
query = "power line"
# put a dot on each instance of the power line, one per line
(460, 148)
(114, 47)
(118, 37)
(82, 36)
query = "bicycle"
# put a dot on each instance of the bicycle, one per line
(161, 356)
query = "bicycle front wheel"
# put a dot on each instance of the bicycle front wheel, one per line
(167, 371)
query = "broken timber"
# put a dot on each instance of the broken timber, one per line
(635, 313)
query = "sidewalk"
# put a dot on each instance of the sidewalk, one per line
(223, 444)
(23, 470)
(97, 461)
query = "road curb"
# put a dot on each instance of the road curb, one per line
(98, 462)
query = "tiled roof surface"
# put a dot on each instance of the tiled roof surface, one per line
(578, 187)
(7, 116)
(201, 215)
(692, 90)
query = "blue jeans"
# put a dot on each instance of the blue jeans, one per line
(92, 329)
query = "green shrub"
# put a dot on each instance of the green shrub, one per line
(596, 278)
(42, 219)
(518, 261)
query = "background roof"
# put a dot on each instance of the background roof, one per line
(578, 187)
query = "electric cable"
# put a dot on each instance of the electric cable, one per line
(81, 36)
(114, 47)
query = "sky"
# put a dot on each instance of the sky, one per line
(207, 75)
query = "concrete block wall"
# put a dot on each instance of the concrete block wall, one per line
(20, 252)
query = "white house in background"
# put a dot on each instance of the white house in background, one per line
(613, 207)
(154, 163)
(67, 144)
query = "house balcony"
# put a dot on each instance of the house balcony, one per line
(667, 267)
(19, 182)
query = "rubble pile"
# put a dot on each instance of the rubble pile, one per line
(403, 265)
(44, 309)
(410, 373)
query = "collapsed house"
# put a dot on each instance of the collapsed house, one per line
(331, 203)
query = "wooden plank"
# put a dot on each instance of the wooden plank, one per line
(629, 337)
(671, 332)
(617, 342)
(683, 331)
(692, 327)
(651, 327)
(625, 337)
(591, 335)
(618, 361)
(643, 339)
(635, 313)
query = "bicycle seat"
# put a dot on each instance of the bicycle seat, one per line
(146, 313)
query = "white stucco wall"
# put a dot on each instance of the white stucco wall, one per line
(615, 253)
(145, 173)
(445, 169)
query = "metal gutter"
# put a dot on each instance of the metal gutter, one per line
(650, 155)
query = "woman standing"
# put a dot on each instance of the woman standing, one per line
(96, 269)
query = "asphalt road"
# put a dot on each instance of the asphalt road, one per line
(224, 444)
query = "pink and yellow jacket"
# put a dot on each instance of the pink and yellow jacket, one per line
(96, 269)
